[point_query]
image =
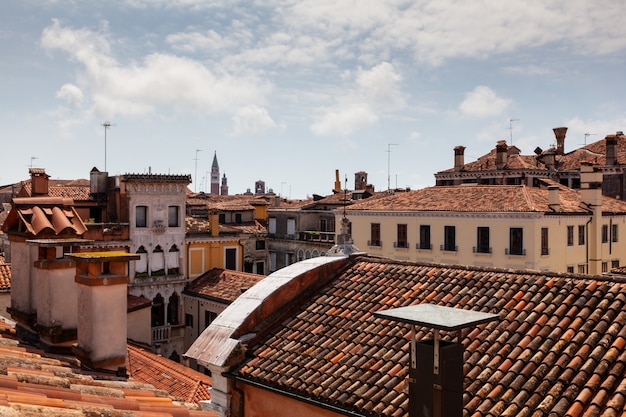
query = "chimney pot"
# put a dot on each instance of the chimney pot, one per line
(559, 133)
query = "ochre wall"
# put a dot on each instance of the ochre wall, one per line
(262, 403)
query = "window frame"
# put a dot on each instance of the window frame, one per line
(483, 239)
(570, 235)
(516, 247)
(141, 216)
(375, 235)
(425, 237)
(173, 219)
(402, 232)
(449, 238)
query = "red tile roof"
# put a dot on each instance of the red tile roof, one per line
(222, 284)
(558, 350)
(35, 384)
(178, 380)
(484, 198)
(78, 190)
(5, 275)
(52, 215)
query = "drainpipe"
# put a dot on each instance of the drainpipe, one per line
(587, 243)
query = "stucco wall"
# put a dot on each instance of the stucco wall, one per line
(262, 403)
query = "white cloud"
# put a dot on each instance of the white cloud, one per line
(483, 102)
(376, 92)
(72, 94)
(251, 120)
(158, 82)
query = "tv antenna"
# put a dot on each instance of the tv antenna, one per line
(106, 125)
(587, 135)
(511, 128)
(195, 176)
(389, 145)
(32, 158)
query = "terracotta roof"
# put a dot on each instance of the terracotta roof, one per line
(559, 348)
(487, 162)
(78, 190)
(198, 225)
(222, 284)
(179, 381)
(134, 303)
(5, 275)
(35, 384)
(38, 215)
(484, 198)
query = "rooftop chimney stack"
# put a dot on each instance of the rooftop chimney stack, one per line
(501, 154)
(39, 182)
(337, 182)
(611, 150)
(554, 202)
(102, 279)
(459, 158)
(591, 196)
(559, 133)
(360, 180)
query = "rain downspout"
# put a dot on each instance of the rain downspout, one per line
(587, 243)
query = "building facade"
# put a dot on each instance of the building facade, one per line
(550, 227)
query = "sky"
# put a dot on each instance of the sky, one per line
(290, 91)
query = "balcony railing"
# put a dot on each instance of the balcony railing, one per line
(404, 245)
(448, 248)
(516, 251)
(374, 243)
(481, 249)
(161, 333)
(314, 236)
(424, 246)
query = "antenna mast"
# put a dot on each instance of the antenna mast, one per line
(587, 135)
(511, 128)
(389, 145)
(106, 125)
(195, 175)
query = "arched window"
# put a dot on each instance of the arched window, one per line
(300, 255)
(158, 311)
(173, 260)
(141, 264)
(172, 309)
(307, 255)
(158, 261)
(315, 253)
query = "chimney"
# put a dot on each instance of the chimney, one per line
(459, 158)
(501, 154)
(102, 279)
(591, 196)
(39, 182)
(337, 182)
(360, 180)
(611, 150)
(554, 203)
(559, 133)
(57, 294)
(549, 159)
(214, 222)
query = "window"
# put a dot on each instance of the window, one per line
(172, 216)
(401, 240)
(260, 268)
(291, 227)
(614, 264)
(544, 242)
(272, 225)
(172, 309)
(482, 240)
(570, 235)
(375, 235)
(188, 320)
(570, 269)
(605, 233)
(260, 244)
(605, 267)
(581, 234)
(449, 238)
(209, 316)
(516, 241)
(141, 216)
(230, 262)
(238, 218)
(158, 311)
(614, 233)
(221, 218)
(582, 269)
(425, 237)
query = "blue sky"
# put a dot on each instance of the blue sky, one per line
(289, 91)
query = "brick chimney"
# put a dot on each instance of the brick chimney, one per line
(559, 133)
(38, 181)
(337, 182)
(611, 149)
(502, 154)
(214, 222)
(102, 279)
(459, 158)
(360, 180)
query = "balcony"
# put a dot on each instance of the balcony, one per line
(314, 236)
(403, 245)
(374, 243)
(515, 251)
(448, 248)
(162, 334)
(481, 249)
